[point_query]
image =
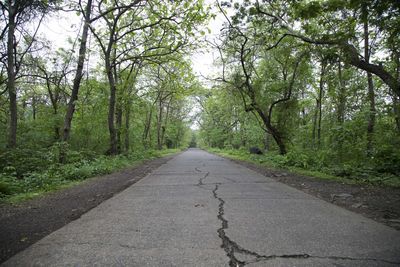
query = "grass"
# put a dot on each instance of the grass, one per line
(38, 183)
(280, 163)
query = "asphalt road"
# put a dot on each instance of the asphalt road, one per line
(203, 210)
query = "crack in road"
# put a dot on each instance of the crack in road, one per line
(228, 245)
(231, 247)
(201, 180)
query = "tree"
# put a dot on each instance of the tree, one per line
(78, 74)
(156, 31)
(17, 14)
(243, 49)
(341, 36)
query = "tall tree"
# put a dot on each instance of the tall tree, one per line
(371, 91)
(18, 13)
(78, 74)
(142, 32)
(243, 48)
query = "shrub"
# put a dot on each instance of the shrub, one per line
(387, 159)
(51, 176)
(298, 159)
(24, 161)
(9, 185)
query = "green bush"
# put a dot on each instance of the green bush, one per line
(81, 165)
(9, 185)
(387, 159)
(322, 163)
(298, 159)
(24, 160)
(278, 160)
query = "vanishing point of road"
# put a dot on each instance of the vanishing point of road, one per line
(199, 209)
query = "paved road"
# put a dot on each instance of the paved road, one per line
(202, 210)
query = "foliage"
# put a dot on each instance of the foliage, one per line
(60, 115)
(321, 88)
(314, 84)
(305, 164)
(54, 176)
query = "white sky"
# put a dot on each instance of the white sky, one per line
(58, 28)
(203, 60)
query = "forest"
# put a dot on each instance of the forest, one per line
(314, 85)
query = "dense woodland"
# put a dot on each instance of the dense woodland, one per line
(119, 88)
(314, 84)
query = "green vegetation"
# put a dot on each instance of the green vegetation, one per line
(113, 95)
(296, 164)
(38, 173)
(314, 84)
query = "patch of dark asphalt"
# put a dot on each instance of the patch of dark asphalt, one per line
(381, 204)
(23, 224)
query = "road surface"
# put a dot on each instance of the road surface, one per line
(202, 210)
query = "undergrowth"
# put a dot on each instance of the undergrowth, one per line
(304, 164)
(28, 173)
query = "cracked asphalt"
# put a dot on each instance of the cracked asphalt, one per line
(199, 209)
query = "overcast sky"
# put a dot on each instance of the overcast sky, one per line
(203, 60)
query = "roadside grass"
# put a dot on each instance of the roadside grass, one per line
(14, 189)
(277, 162)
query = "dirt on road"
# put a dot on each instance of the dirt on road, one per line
(23, 224)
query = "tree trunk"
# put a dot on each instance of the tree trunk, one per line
(159, 122)
(341, 106)
(113, 150)
(147, 128)
(320, 97)
(164, 127)
(12, 139)
(119, 126)
(279, 141)
(78, 76)
(34, 107)
(371, 92)
(118, 111)
(266, 142)
(303, 109)
(273, 131)
(396, 110)
(315, 119)
(127, 125)
(396, 99)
